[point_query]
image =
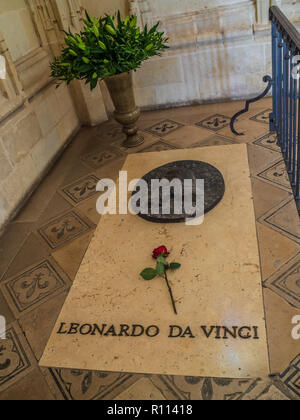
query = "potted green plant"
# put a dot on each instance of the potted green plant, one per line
(110, 48)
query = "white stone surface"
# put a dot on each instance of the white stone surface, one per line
(17, 27)
(166, 70)
(208, 291)
(222, 48)
(20, 136)
(29, 140)
(36, 119)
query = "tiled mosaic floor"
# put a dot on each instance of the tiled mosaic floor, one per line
(43, 247)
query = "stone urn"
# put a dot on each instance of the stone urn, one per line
(126, 112)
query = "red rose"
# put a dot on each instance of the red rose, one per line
(161, 250)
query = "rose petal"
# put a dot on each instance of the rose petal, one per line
(159, 251)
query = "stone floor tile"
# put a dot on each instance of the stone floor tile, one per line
(38, 324)
(252, 130)
(291, 377)
(57, 205)
(16, 357)
(70, 257)
(55, 391)
(276, 174)
(266, 196)
(273, 394)
(263, 116)
(77, 171)
(215, 140)
(215, 122)
(196, 113)
(89, 209)
(275, 250)
(260, 158)
(79, 144)
(81, 385)
(105, 134)
(158, 146)
(101, 156)
(64, 228)
(285, 282)
(32, 388)
(31, 252)
(34, 285)
(198, 388)
(80, 190)
(111, 170)
(10, 243)
(164, 128)
(95, 137)
(269, 141)
(144, 389)
(284, 219)
(187, 115)
(112, 134)
(263, 389)
(41, 197)
(256, 108)
(187, 136)
(148, 140)
(149, 119)
(5, 311)
(38, 202)
(282, 347)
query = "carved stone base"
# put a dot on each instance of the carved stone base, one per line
(127, 113)
(133, 141)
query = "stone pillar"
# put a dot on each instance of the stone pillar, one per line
(262, 10)
(138, 9)
(11, 90)
(89, 105)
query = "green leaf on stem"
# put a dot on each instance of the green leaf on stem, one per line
(175, 266)
(148, 274)
(109, 44)
(160, 268)
(161, 259)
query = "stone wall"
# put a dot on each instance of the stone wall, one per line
(29, 140)
(219, 50)
(100, 7)
(36, 120)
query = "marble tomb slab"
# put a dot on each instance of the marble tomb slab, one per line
(218, 286)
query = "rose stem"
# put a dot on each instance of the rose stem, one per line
(171, 294)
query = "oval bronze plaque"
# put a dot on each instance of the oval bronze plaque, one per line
(214, 188)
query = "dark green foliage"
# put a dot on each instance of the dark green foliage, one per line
(175, 266)
(149, 274)
(106, 47)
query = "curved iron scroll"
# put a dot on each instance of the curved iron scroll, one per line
(266, 79)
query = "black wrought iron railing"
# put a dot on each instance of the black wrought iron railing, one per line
(285, 84)
(285, 118)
